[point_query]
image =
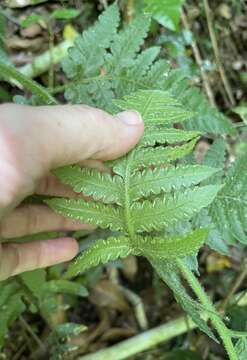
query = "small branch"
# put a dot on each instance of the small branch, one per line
(138, 306)
(217, 53)
(31, 332)
(236, 284)
(151, 338)
(129, 10)
(199, 62)
(43, 62)
(144, 341)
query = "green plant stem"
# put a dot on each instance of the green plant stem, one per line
(153, 337)
(144, 341)
(13, 76)
(219, 325)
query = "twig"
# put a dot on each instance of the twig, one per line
(129, 10)
(236, 284)
(104, 3)
(31, 332)
(43, 62)
(199, 62)
(150, 338)
(138, 306)
(217, 53)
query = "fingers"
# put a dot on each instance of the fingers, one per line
(31, 219)
(17, 258)
(33, 140)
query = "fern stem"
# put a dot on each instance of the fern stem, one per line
(127, 175)
(12, 76)
(219, 325)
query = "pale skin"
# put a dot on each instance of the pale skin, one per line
(33, 141)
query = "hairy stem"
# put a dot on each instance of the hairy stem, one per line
(13, 76)
(219, 325)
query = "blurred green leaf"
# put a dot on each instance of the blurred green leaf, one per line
(241, 349)
(183, 355)
(35, 281)
(31, 19)
(66, 287)
(65, 14)
(166, 12)
(241, 111)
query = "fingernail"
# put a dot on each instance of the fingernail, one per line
(130, 117)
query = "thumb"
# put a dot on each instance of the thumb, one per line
(70, 134)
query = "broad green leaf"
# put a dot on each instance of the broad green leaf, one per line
(35, 281)
(166, 12)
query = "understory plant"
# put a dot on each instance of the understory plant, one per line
(156, 201)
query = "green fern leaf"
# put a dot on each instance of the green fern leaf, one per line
(167, 272)
(155, 106)
(126, 44)
(229, 210)
(160, 155)
(173, 247)
(161, 213)
(216, 154)
(138, 180)
(166, 179)
(84, 58)
(101, 252)
(101, 186)
(207, 119)
(89, 212)
(161, 135)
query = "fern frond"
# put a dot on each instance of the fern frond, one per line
(167, 272)
(173, 247)
(160, 155)
(229, 210)
(161, 213)
(155, 106)
(126, 44)
(166, 179)
(95, 213)
(100, 253)
(216, 154)
(101, 186)
(207, 119)
(87, 54)
(163, 135)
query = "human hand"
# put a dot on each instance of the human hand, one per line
(34, 140)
